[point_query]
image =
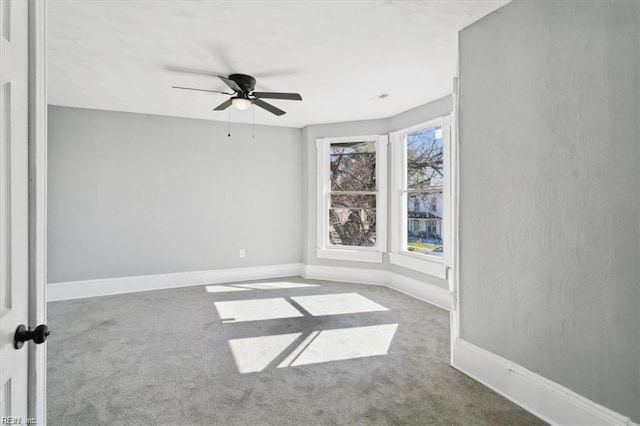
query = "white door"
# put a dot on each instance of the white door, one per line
(14, 237)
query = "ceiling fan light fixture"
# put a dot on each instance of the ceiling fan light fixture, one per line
(241, 103)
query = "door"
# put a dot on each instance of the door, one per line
(14, 214)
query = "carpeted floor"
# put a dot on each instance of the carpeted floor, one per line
(261, 353)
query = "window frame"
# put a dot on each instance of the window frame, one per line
(324, 250)
(432, 265)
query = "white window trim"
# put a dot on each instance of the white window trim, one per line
(359, 254)
(431, 265)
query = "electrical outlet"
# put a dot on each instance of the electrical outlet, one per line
(241, 253)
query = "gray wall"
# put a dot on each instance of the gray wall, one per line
(431, 110)
(132, 194)
(549, 164)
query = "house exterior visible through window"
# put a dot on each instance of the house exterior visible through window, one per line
(420, 202)
(352, 198)
(424, 167)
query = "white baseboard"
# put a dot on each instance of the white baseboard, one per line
(418, 289)
(544, 398)
(103, 287)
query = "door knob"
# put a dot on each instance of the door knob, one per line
(23, 334)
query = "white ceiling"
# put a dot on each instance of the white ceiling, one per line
(339, 55)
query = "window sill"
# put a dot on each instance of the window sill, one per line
(352, 255)
(429, 265)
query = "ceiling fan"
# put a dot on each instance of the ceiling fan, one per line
(243, 87)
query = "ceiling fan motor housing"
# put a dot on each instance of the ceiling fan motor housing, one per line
(246, 82)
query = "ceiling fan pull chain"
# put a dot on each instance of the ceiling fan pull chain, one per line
(229, 126)
(253, 123)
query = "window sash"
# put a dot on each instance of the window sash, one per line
(399, 254)
(325, 192)
(332, 193)
(405, 191)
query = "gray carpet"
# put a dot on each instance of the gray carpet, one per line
(164, 358)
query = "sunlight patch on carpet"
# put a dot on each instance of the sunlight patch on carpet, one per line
(270, 286)
(256, 310)
(219, 288)
(342, 344)
(256, 353)
(337, 304)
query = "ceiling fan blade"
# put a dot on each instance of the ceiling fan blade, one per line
(191, 71)
(278, 95)
(232, 84)
(262, 104)
(226, 104)
(200, 90)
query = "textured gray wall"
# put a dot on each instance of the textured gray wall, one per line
(549, 193)
(437, 108)
(132, 194)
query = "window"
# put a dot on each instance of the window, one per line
(424, 166)
(420, 197)
(352, 198)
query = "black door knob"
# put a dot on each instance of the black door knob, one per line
(23, 334)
